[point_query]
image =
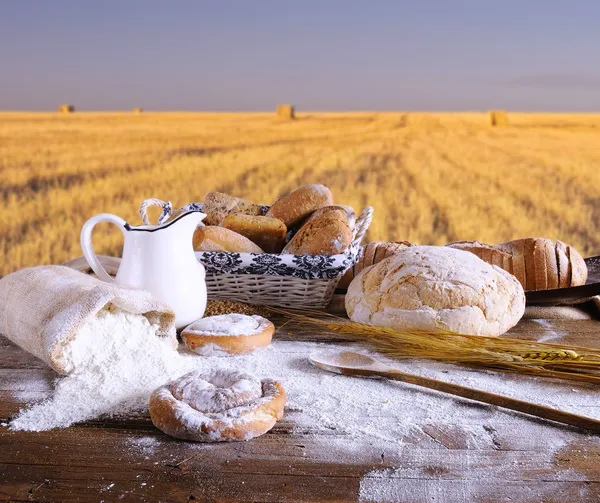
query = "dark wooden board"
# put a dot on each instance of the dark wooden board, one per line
(129, 460)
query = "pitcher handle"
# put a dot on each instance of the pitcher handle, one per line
(86, 242)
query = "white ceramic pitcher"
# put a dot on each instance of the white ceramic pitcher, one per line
(157, 258)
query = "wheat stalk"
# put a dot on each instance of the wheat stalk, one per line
(552, 356)
(512, 355)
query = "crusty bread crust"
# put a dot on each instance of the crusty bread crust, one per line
(294, 208)
(372, 253)
(345, 211)
(488, 253)
(217, 206)
(326, 234)
(563, 264)
(549, 254)
(220, 239)
(579, 270)
(538, 263)
(268, 233)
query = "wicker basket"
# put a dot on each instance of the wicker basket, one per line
(297, 281)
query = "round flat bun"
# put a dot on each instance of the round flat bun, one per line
(431, 287)
(228, 334)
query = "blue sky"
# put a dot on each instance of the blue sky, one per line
(319, 55)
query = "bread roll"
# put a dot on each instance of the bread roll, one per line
(220, 239)
(268, 233)
(371, 253)
(218, 205)
(295, 207)
(327, 234)
(538, 263)
(228, 334)
(346, 211)
(430, 288)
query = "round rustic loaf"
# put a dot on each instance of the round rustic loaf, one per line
(431, 287)
(293, 208)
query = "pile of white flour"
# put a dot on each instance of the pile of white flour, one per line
(118, 361)
(115, 361)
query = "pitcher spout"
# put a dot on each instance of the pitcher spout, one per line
(186, 223)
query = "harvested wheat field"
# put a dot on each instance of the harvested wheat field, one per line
(432, 178)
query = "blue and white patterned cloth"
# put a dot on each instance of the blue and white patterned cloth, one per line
(298, 266)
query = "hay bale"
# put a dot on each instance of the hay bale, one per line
(138, 110)
(66, 109)
(286, 112)
(498, 118)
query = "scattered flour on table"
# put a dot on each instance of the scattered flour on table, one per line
(395, 485)
(550, 334)
(119, 360)
(380, 486)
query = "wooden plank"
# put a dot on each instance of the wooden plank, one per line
(143, 446)
(117, 463)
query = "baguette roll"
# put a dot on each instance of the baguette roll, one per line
(219, 239)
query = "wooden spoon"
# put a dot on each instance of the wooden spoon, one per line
(356, 364)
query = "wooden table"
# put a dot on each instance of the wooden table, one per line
(132, 461)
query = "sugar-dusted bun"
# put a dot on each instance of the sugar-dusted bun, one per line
(268, 233)
(218, 205)
(295, 207)
(326, 234)
(372, 253)
(228, 334)
(219, 239)
(217, 406)
(431, 288)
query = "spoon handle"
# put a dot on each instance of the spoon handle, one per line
(501, 401)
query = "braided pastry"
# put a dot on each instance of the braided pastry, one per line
(217, 406)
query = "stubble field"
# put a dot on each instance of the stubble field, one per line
(432, 178)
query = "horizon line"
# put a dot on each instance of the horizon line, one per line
(272, 111)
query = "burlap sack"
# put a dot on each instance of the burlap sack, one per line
(43, 308)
